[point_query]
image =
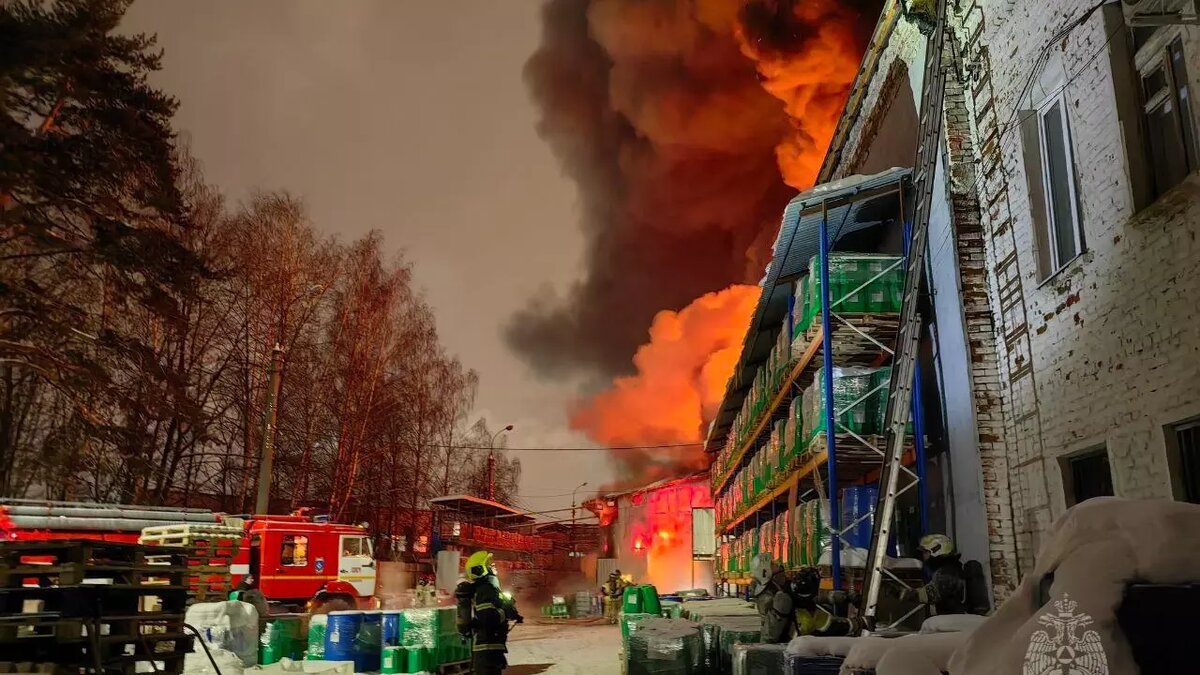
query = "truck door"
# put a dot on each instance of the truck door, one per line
(356, 563)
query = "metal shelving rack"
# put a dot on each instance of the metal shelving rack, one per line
(837, 340)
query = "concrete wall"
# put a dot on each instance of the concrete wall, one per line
(1106, 352)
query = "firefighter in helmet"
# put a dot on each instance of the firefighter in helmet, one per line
(816, 619)
(484, 614)
(951, 586)
(612, 591)
(769, 590)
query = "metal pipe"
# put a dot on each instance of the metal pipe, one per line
(110, 513)
(10, 501)
(85, 524)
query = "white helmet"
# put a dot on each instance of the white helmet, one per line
(936, 545)
(762, 568)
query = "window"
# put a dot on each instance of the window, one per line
(1064, 236)
(1086, 475)
(294, 551)
(359, 546)
(1183, 441)
(1166, 107)
(704, 539)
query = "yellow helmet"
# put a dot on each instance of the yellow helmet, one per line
(479, 565)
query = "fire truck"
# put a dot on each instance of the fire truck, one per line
(288, 558)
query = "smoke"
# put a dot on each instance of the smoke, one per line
(659, 118)
(687, 125)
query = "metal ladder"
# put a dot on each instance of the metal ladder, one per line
(904, 362)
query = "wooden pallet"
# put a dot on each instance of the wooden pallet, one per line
(211, 551)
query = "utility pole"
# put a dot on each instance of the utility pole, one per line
(491, 463)
(574, 547)
(267, 458)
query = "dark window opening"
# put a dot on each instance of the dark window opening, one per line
(1185, 439)
(1086, 476)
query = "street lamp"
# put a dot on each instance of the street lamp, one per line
(491, 462)
(574, 551)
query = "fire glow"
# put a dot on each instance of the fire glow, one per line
(656, 528)
(805, 54)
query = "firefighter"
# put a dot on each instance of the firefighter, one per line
(769, 591)
(951, 587)
(804, 589)
(484, 614)
(612, 591)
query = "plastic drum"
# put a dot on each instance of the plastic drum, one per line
(341, 634)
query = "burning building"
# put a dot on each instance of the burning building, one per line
(661, 533)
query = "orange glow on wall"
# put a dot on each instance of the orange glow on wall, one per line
(656, 528)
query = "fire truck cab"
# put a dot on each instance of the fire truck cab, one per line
(289, 558)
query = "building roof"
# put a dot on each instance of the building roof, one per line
(851, 205)
(658, 485)
(482, 508)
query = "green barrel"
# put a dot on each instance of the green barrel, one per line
(393, 660)
(631, 601)
(316, 637)
(280, 639)
(650, 604)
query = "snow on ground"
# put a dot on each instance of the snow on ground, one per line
(564, 650)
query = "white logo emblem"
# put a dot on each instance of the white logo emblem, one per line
(1064, 651)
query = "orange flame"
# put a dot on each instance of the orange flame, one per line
(811, 74)
(680, 380)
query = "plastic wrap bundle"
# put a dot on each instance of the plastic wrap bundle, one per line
(759, 659)
(816, 530)
(732, 631)
(661, 646)
(797, 438)
(849, 385)
(794, 664)
(783, 538)
(877, 405)
(858, 284)
(226, 626)
(630, 624)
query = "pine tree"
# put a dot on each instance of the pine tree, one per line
(90, 215)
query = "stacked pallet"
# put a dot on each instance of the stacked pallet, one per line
(97, 605)
(210, 551)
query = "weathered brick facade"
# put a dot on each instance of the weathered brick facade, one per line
(1104, 354)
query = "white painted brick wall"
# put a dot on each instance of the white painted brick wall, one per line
(1115, 337)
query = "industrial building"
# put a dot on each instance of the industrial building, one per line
(1060, 341)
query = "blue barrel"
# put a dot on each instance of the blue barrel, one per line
(393, 627)
(856, 502)
(368, 648)
(340, 635)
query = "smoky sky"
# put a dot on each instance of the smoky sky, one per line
(658, 115)
(660, 121)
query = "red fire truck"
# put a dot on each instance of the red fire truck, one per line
(288, 558)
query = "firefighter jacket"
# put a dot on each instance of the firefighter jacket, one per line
(775, 611)
(946, 590)
(491, 614)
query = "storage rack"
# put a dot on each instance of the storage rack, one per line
(837, 340)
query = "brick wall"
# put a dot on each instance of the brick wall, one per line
(985, 381)
(1107, 351)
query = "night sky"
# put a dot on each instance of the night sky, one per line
(410, 118)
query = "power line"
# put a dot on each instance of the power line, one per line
(617, 448)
